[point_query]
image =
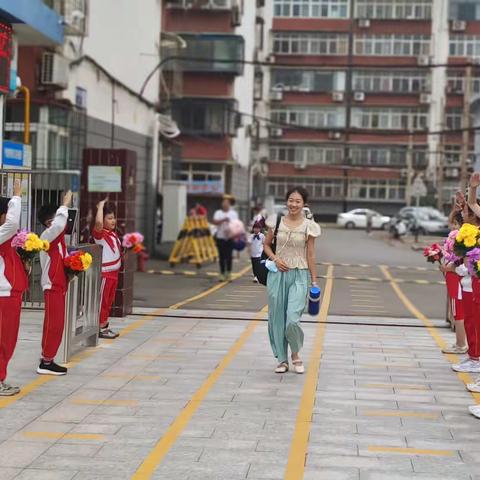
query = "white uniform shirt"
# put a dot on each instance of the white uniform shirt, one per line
(465, 281)
(256, 244)
(223, 231)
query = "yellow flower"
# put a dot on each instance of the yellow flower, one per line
(86, 260)
(467, 234)
(46, 246)
(470, 242)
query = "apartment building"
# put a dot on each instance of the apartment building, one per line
(207, 86)
(355, 87)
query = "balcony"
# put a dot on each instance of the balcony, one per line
(218, 53)
(202, 4)
(206, 117)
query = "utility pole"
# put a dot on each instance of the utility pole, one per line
(467, 94)
(408, 189)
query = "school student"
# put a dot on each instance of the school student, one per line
(104, 234)
(256, 241)
(54, 283)
(13, 283)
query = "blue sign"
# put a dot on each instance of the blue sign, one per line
(16, 155)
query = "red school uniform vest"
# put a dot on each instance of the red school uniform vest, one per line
(13, 278)
(112, 250)
(56, 278)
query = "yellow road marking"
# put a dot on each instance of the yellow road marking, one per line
(189, 272)
(155, 457)
(210, 290)
(411, 451)
(38, 382)
(464, 377)
(398, 413)
(395, 385)
(167, 272)
(70, 436)
(113, 403)
(299, 445)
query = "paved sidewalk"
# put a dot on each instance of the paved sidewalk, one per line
(199, 400)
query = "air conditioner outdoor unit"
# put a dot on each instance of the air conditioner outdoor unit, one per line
(276, 95)
(276, 132)
(300, 165)
(423, 60)
(452, 172)
(364, 23)
(425, 98)
(359, 96)
(459, 25)
(337, 96)
(54, 70)
(236, 16)
(332, 135)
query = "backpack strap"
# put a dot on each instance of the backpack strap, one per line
(275, 232)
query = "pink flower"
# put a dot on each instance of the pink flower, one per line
(20, 238)
(132, 239)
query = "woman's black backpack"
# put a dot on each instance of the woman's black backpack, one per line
(259, 268)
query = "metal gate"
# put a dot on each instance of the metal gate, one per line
(40, 187)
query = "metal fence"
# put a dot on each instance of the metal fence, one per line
(82, 307)
(40, 187)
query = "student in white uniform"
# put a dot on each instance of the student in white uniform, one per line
(256, 241)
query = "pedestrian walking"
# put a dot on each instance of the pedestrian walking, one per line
(13, 282)
(256, 241)
(223, 236)
(54, 283)
(288, 281)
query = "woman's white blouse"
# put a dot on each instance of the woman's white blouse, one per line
(292, 242)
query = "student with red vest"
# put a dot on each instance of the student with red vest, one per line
(104, 234)
(13, 282)
(54, 283)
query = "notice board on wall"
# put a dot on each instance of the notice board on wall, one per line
(104, 179)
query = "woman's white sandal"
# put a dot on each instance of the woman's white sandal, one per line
(282, 368)
(298, 366)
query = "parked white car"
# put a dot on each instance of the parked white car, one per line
(358, 219)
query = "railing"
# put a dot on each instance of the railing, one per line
(82, 307)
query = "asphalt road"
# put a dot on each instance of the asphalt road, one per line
(359, 264)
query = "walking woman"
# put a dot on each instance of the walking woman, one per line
(288, 287)
(222, 218)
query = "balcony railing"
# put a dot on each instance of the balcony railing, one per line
(203, 4)
(206, 117)
(215, 53)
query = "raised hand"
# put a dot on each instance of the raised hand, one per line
(17, 188)
(67, 199)
(102, 203)
(475, 180)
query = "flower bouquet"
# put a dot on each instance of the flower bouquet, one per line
(466, 239)
(28, 244)
(133, 241)
(448, 246)
(433, 253)
(76, 263)
(473, 262)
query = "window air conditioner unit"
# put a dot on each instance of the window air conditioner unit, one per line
(364, 23)
(459, 25)
(359, 96)
(425, 98)
(332, 135)
(337, 96)
(270, 58)
(276, 95)
(423, 60)
(54, 70)
(276, 132)
(300, 165)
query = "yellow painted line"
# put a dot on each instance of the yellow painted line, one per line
(113, 403)
(70, 436)
(411, 451)
(299, 445)
(210, 290)
(464, 377)
(189, 272)
(396, 386)
(399, 413)
(167, 272)
(212, 274)
(155, 457)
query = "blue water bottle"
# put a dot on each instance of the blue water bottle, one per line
(314, 300)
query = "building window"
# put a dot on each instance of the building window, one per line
(464, 10)
(367, 189)
(310, 43)
(456, 83)
(318, 188)
(311, 8)
(465, 46)
(394, 81)
(258, 85)
(399, 9)
(308, 80)
(387, 155)
(390, 118)
(306, 154)
(392, 45)
(454, 118)
(309, 117)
